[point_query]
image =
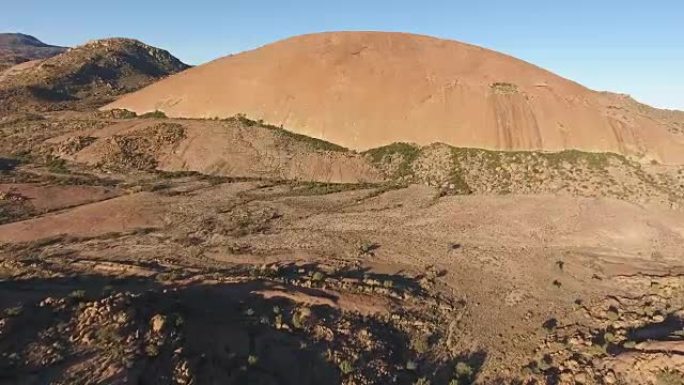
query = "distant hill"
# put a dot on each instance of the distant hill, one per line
(368, 89)
(85, 76)
(16, 48)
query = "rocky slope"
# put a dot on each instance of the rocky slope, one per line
(239, 147)
(88, 75)
(205, 280)
(367, 89)
(459, 171)
(18, 48)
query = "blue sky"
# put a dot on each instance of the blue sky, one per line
(634, 47)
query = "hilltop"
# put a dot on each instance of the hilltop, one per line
(89, 75)
(367, 89)
(18, 48)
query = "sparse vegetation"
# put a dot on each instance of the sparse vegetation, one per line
(156, 114)
(670, 377)
(609, 337)
(613, 314)
(421, 344)
(319, 188)
(504, 88)
(367, 248)
(13, 311)
(57, 165)
(78, 295)
(399, 155)
(463, 373)
(594, 160)
(121, 113)
(252, 360)
(478, 171)
(313, 143)
(152, 350)
(318, 277)
(346, 367)
(74, 79)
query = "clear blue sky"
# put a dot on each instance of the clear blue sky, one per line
(635, 47)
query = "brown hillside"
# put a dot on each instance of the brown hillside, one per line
(367, 89)
(88, 75)
(18, 48)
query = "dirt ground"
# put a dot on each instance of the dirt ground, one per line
(115, 271)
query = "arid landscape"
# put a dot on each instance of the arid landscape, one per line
(401, 210)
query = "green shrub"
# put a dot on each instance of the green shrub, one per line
(346, 367)
(464, 373)
(313, 143)
(670, 377)
(318, 277)
(463, 369)
(152, 350)
(421, 345)
(156, 114)
(122, 113)
(366, 247)
(609, 337)
(14, 311)
(57, 165)
(613, 314)
(77, 295)
(406, 152)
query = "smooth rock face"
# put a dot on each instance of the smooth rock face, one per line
(366, 89)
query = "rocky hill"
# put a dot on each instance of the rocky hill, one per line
(368, 89)
(18, 48)
(241, 148)
(88, 75)
(146, 249)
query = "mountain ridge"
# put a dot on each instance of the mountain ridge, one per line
(17, 48)
(91, 74)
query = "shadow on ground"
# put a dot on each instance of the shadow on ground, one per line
(94, 329)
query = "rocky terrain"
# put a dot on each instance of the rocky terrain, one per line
(239, 147)
(84, 77)
(16, 48)
(143, 249)
(117, 247)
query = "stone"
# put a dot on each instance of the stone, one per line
(157, 322)
(581, 378)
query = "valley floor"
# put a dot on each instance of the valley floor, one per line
(135, 275)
